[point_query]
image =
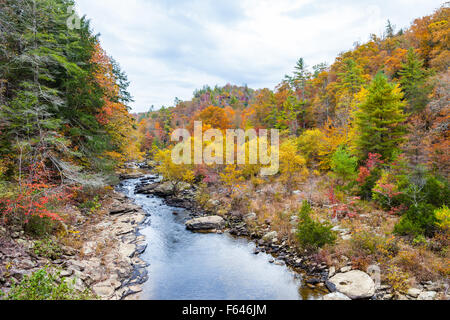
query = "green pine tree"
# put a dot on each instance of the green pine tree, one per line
(379, 119)
(413, 78)
(351, 79)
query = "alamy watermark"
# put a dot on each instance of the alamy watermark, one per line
(241, 147)
(73, 21)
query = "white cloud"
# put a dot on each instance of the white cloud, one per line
(170, 48)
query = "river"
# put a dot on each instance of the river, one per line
(206, 266)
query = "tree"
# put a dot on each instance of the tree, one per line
(309, 144)
(389, 33)
(215, 118)
(301, 75)
(313, 235)
(350, 81)
(292, 165)
(176, 174)
(351, 78)
(413, 82)
(379, 119)
(343, 165)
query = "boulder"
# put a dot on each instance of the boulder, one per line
(163, 190)
(346, 269)
(106, 289)
(331, 272)
(206, 223)
(413, 292)
(270, 236)
(335, 296)
(355, 284)
(146, 189)
(250, 216)
(131, 175)
(124, 208)
(427, 295)
(127, 250)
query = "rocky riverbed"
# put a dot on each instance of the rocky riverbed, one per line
(343, 284)
(104, 257)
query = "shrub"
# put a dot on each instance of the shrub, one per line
(436, 191)
(418, 220)
(386, 191)
(443, 218)
(43, 285)
(368, 183)
(40, 227)
(91, 206)
(368, 175)
(47, 249)
(343, 165)
(398, 279)
(366, 242)
(369, 244)
(311, 234)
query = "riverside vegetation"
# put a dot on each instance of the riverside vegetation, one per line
(363, 177)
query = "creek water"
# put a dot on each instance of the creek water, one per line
(206, 266)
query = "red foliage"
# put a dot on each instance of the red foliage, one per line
(363, 174)
(35, 197)
(341, 210)
(372, 162)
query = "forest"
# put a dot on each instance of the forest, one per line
(364, 147)
(364, 141)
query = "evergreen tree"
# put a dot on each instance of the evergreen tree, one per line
(413, 82)
(379, 118)
(351, 79)
(49, 99)
(389, 33)
(299, 78)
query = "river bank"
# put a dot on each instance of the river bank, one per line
(103, 252)
(315, 276)
(98, 254)
(319, 277)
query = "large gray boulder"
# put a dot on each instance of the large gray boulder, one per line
(335, 296)
(206, 223)
(164, 189)
(354, 284)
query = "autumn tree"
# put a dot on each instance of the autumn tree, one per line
(214, 117)
(175, 174)
(292, 165)
(309, 144)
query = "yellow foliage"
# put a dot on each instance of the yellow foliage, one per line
(443, 216)
(332, 139)
(309, 144)
(231, 175)
(398, 279)
(175, 173)
(3, 167)
(292, 165)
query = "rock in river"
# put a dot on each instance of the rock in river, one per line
(335, 296)
(206, 223)
(354, 284)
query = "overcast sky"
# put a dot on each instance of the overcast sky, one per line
(169, 48)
